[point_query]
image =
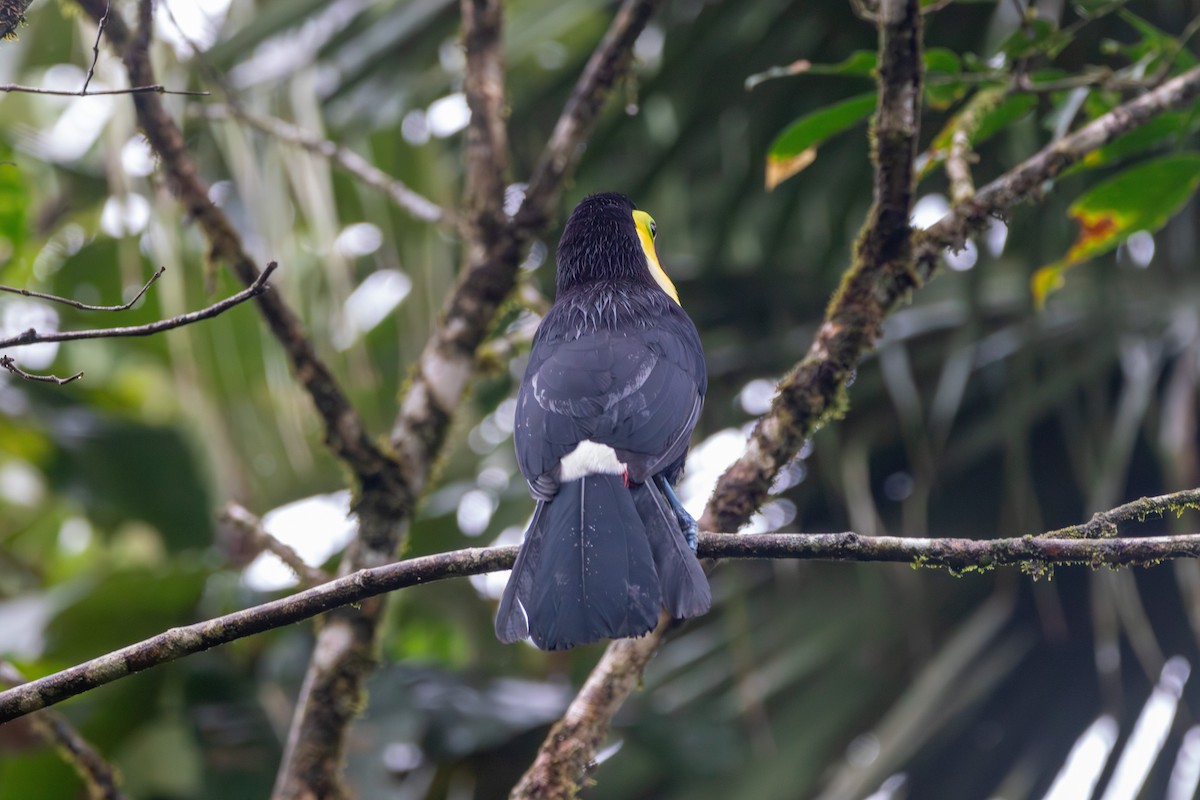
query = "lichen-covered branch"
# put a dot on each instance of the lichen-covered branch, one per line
(1033, 553)
(1104, 523)
(814, 391)
(958, 167)
(12, 16)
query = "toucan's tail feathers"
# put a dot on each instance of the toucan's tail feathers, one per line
(589, 572)
(685, 590)
(511, 625)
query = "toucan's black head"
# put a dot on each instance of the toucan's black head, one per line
(607, 238)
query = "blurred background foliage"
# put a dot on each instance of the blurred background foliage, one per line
(978, 416)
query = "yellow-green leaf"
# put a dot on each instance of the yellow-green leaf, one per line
(989, 111)
(1142, 198)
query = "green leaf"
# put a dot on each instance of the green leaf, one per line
(860, 63)
(1154, 44)
(1142, 198)
(796, 147)
(939, 59)
(1035, 36)
(941, 66)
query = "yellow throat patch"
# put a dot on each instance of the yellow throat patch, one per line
(645, 230)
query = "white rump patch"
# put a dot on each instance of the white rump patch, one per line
(590, 458)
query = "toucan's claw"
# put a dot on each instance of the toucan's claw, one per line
(690, 532)
(687, 523)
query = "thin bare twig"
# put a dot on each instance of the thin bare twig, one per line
(84, 306)
(240, 517)
(7, 363)
(153, 88)
(255, 289)
(98, 775)
(1033, 553)
(96, 46)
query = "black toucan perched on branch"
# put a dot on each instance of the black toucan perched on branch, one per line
(615, 383)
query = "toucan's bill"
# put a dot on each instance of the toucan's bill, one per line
(614, 386)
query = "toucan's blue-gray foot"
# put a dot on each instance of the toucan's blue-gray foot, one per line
(687, 523)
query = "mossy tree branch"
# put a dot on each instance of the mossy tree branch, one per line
(1035, 554)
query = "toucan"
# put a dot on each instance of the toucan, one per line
(605, 411)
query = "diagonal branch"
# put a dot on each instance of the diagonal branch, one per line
(1035, 554)
(814, 391)
(607, 65)
(1026, 180)
(346, 646)
(100, 23)
(439, 380)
